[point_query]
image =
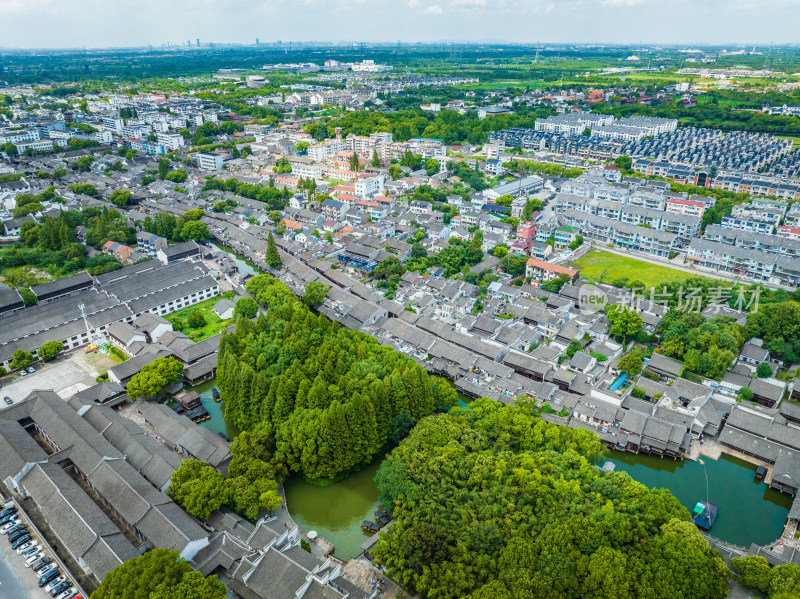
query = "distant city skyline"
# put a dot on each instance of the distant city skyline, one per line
(126, 23)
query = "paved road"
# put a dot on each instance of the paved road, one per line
(13, 582)
(65, 376)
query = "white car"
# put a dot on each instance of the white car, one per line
(8, 526)
(33, 558)
(54, 583)
(68, 593)
(45, 570)
(25, 546)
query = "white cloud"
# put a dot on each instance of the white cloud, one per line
(470, 3)
(433, 9)
(623, 3)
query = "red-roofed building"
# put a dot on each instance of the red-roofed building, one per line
(689, 207)
(526, 230)
(544, 271)
(119, 251)
(388, 202)
(292, 225)
(347, 198)
(788, 232)
(289, 182)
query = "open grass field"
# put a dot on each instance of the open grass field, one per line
(795, 140)
(213, 323)
(605, 267)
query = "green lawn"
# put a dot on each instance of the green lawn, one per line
(795, 140)
(214, 324)
(598, 265)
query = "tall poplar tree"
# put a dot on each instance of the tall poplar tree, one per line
(272, 257)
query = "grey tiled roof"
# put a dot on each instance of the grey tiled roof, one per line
(81, 526)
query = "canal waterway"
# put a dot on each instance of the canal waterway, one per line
(749, 511)
(245, 266)
(217, 421)
(336, 511)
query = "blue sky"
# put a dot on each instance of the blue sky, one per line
(103, 23)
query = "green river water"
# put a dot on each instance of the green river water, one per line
(749, 512)
(245, 266)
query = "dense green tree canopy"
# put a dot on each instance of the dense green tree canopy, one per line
(50, 349)
(329, 393)
(271, 256)
(447, 125)
(778, 325)
(158, 574)
(20, 359)
(194, 230)
(154, 378)
(196, 319)
(492, 501)
(187, 227)
(120, 197)
(625, 322)
(199, 488)
(314, 293)
(764, 370)
(631, 363)
(246, 307)
(275, 198)
(780, 582)
(706, 348)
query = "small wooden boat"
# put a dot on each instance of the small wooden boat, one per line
(382, 519)
(369, 526)
(761, 472)
(215, 394)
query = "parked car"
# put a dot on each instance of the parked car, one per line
(32, 550)
(23, 373)
(14, 530)
(33, 547)
(13, 533)
(8, 526)
(9, 401)
(26, 546)
(44, 570)
(61, 588)
(55, 582)
(21, 541)
(8, 518)
(69, 594)
(40, 565)
(31, 370)
(48, 577)
(32, 559)
(7, 511)
(17, 534)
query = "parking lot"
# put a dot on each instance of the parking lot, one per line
(16, 580)
(67, 375)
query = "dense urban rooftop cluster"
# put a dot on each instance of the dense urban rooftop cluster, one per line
(469, 258)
